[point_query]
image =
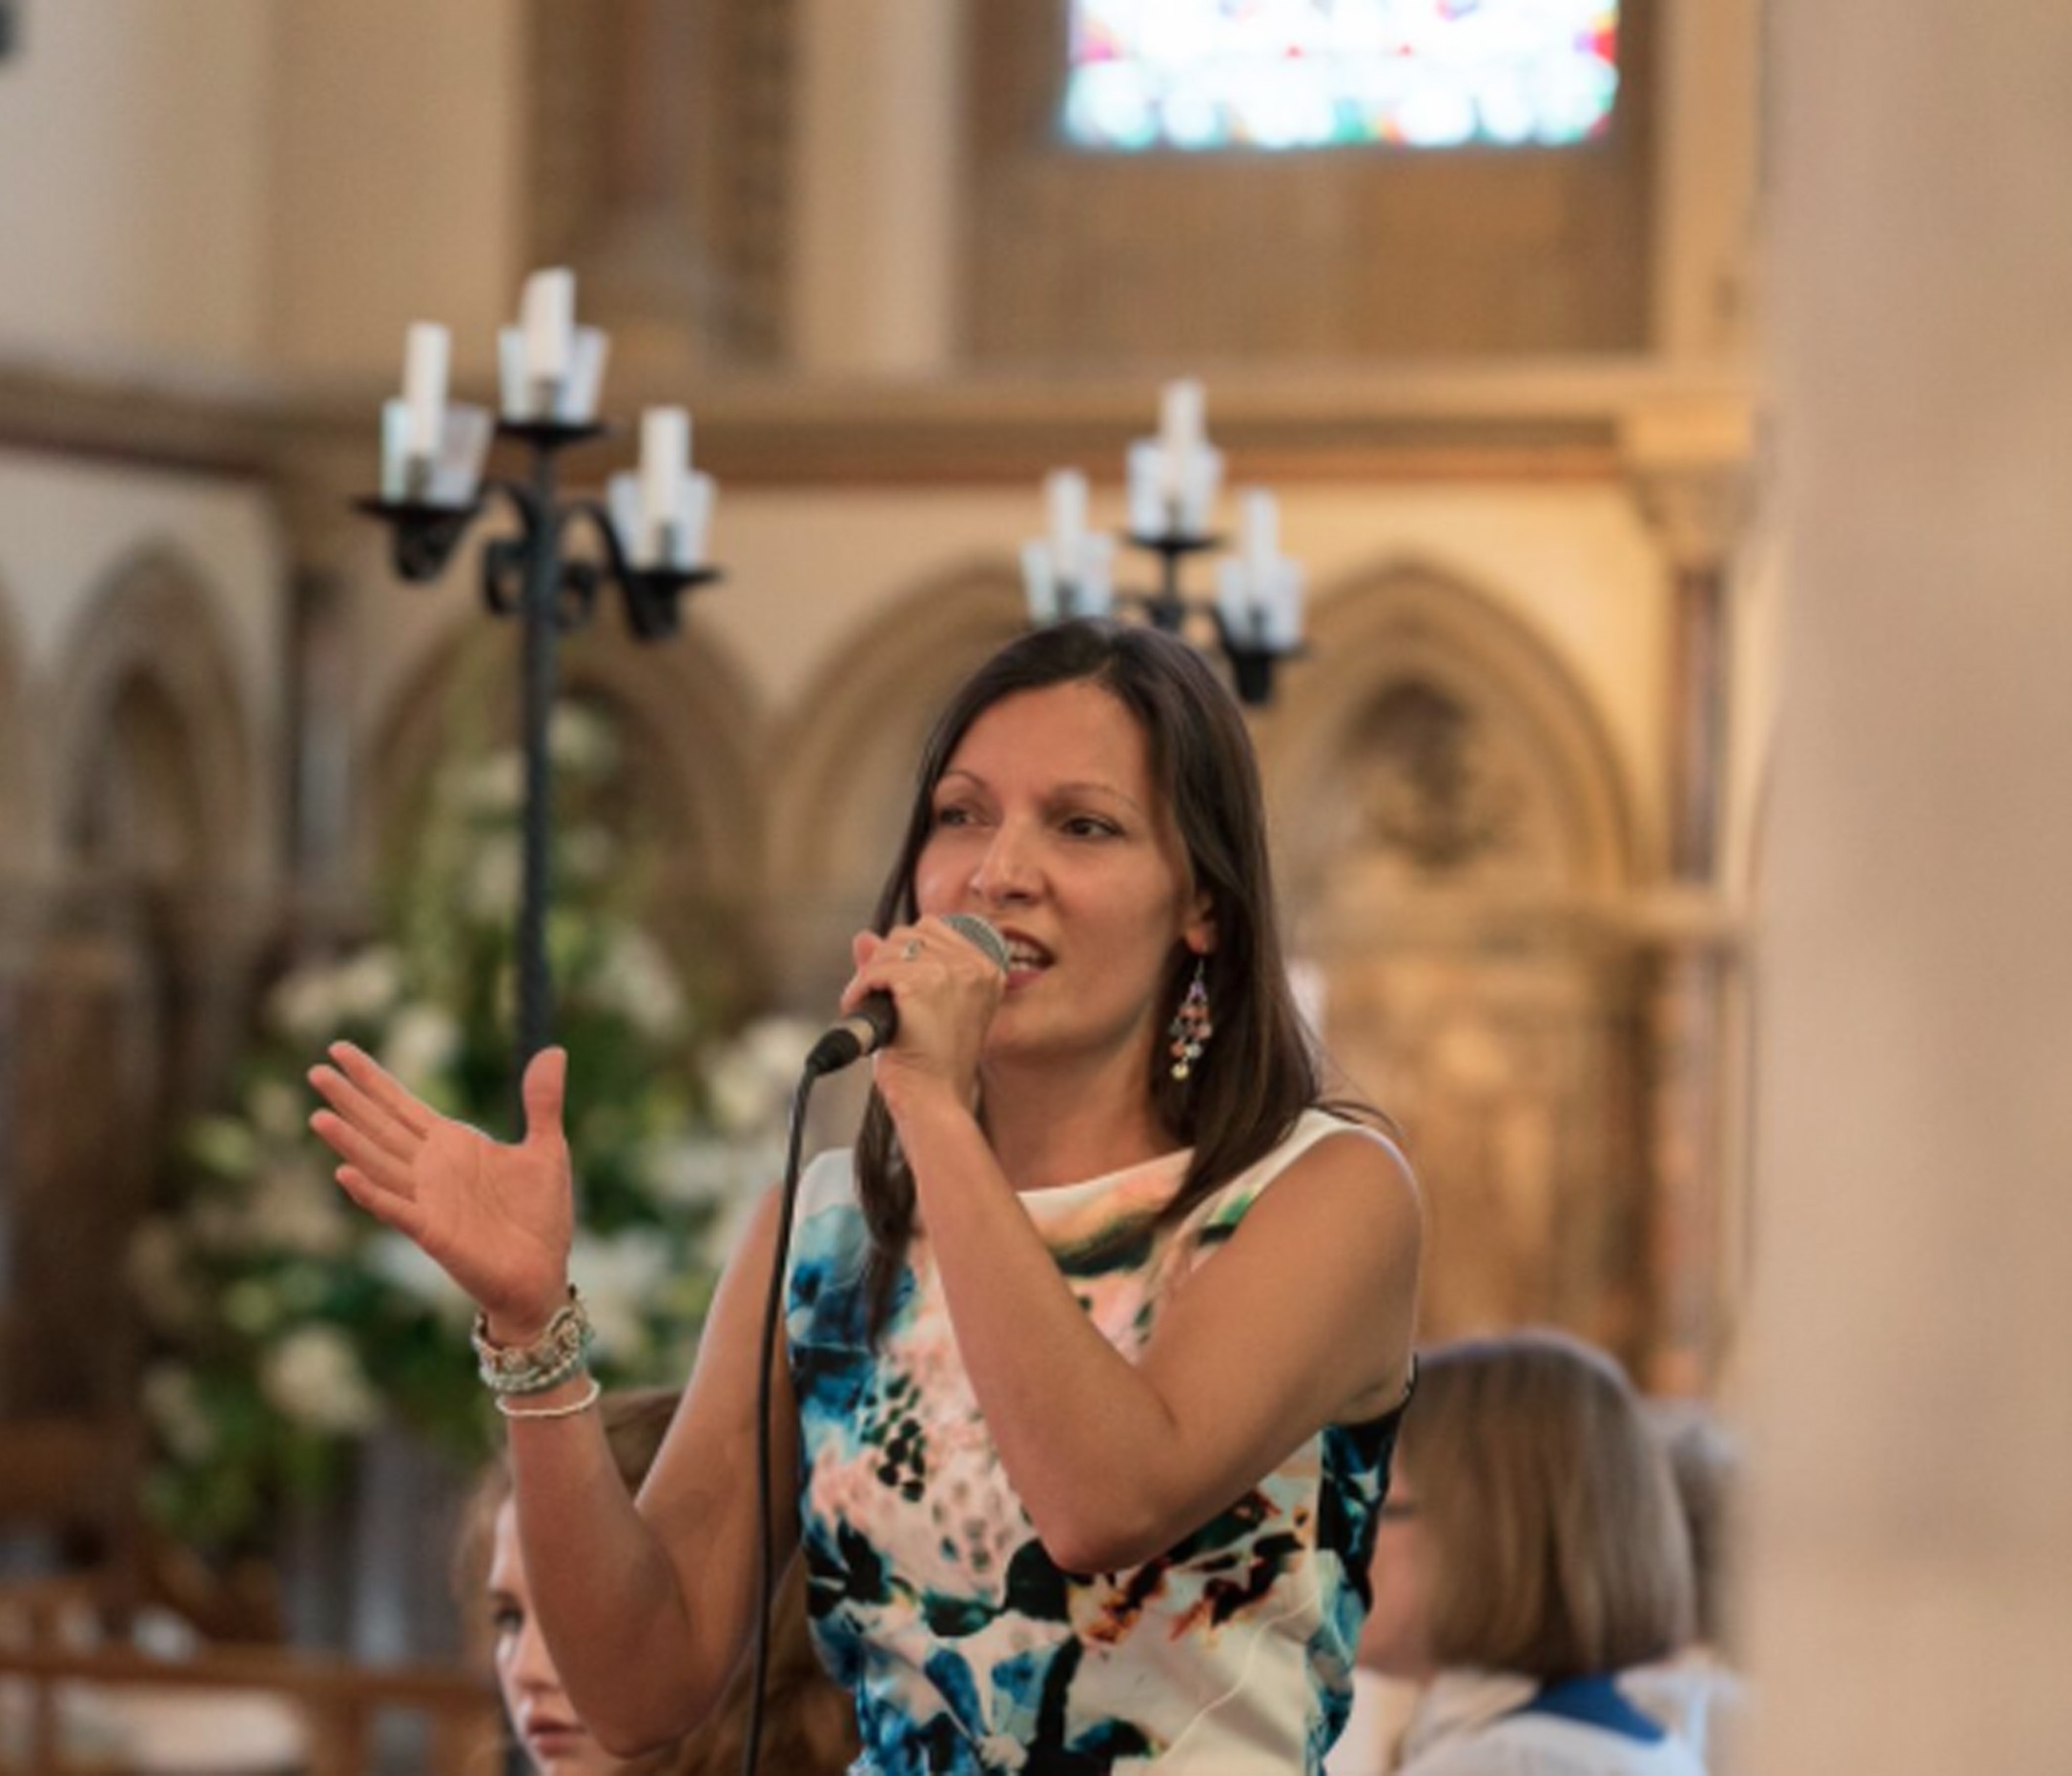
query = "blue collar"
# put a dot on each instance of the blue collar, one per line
(1596, 1702)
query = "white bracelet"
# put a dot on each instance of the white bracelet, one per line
(588, 1399)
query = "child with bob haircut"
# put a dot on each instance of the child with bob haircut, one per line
(1531, 1553)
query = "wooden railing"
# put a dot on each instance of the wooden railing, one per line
(337, 1703)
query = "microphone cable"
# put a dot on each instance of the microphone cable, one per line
(829, 1056)
(765, 1513)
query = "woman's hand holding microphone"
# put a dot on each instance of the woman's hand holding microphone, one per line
(946, 980)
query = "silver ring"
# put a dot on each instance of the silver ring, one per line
(909, 949)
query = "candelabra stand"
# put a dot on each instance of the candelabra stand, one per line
(1251, 659)
(530, 578)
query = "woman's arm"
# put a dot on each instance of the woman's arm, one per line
(1302, 1318)
(647, 1609)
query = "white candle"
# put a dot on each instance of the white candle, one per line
(1235, 593)
(547, 314)
(1179, 420)
(1181, 440)
(1281, 620)
(695, 521)
(1064, 496)
(1038, 582)
(664, 457)
(426, 349)
(1094, 577)
(513, 387)
(1259, 536)
(584, 382)
(623, 502)
(1149, 516)
(396, 450)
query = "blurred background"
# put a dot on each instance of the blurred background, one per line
(1667, 412)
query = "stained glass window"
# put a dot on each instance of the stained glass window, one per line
(1326, 73)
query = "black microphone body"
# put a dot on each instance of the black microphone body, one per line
(874, 1024)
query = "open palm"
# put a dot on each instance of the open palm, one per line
(496, 1217)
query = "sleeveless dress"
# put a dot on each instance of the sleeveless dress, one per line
(965, 1646)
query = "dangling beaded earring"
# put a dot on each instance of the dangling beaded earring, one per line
(1191, 1027)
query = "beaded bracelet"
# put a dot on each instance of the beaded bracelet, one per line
(588, 1397)
(557, 1353)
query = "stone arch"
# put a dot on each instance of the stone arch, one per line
(1485, 680)
(690, 781)
(1462, 853)
(847, 755)
(151, 728)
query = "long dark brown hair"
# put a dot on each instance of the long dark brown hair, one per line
(1261, 1071)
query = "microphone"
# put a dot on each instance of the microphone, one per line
(875, 1022)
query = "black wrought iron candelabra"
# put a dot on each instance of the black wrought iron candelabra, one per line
(1252, 660)
(531, 578)
(1173, 480)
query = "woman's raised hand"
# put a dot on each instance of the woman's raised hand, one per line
(497, 1218)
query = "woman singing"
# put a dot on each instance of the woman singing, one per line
(1094, 1346)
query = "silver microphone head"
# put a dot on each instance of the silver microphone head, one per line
(979, 933)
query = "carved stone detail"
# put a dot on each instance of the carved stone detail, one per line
(1427, 791)
(1466, 873)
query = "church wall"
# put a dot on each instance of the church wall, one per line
(67, 528)
(808, 570)
(133, 183)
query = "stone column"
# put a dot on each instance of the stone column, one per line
(1688, 470)
(879, 165)
(1910, 1591)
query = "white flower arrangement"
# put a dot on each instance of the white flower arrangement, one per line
(314, 1376)
(287, 1324)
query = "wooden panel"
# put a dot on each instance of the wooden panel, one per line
(1318, 255)
(659, 158)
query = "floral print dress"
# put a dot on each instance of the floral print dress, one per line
(966, 1647)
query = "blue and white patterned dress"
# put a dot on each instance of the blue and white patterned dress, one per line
(966, 1647)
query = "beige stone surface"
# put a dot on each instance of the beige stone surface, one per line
(1911, 1593)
